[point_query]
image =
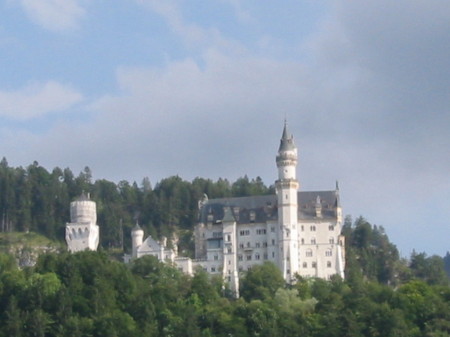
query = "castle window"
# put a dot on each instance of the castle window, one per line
(288, 271)
(329, 252)
(331, 240)
(249, 257)
(265, 256)
(314, 264)
(312, 228)
(261, 231)
(331, 227)
(264, 244)
(257, 257)
(248, 244)
(228, 237)
(273, 242)
(273, 254)
(309, 253)
(303, 241)
(313, 241)
(257, 245)
(240, 257)
(213, 269)
(229, 250)
(244, 232)
(305, 265)
(241, 245)
(329, 264)
(216, 257)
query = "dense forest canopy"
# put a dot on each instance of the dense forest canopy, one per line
(92, 294)
(34, 199)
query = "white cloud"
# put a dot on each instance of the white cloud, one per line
(242, 14)
(54, 15)
(369, 107)
(36, 100)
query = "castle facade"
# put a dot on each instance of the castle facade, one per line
(299, 231)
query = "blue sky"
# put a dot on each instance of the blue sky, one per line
(146, 88)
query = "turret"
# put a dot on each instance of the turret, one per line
(287, 156)
(137, 237)
(83, 210)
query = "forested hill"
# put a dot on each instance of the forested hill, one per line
(34, 199)
(90, 294)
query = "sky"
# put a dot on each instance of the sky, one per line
(148, 88)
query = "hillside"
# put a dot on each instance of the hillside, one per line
(26, 247)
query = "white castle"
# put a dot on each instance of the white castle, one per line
(298, 231)
(82, 233)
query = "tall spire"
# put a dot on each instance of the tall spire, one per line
(287, 140)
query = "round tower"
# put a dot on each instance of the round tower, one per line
(83, 210)
(287, 189)
(137, 237)
(82, 232)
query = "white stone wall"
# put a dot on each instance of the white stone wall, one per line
(82, 233)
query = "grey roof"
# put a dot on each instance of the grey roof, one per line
(287, 141)
(228, 215)
(264, 208)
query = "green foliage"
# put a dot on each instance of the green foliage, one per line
(33, 199)
(261, 282)
(369, 252)
(88, 294)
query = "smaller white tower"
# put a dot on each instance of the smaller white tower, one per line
(137, 237)
(82, 233)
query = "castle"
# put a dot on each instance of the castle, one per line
(298, 231)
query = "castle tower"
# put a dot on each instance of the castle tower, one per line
(82, 233)
(230, 272)
(286, 188)
(137, 237)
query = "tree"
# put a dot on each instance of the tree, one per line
(261, 282)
